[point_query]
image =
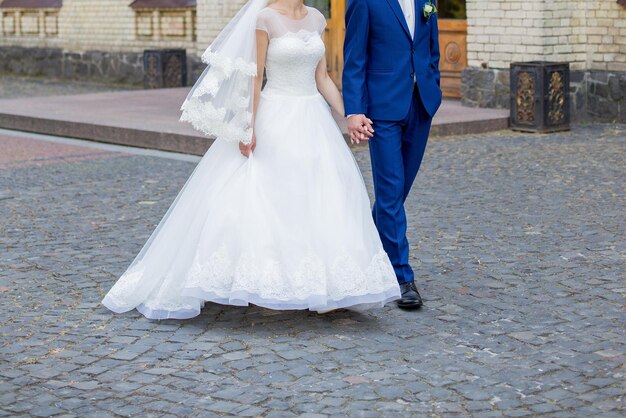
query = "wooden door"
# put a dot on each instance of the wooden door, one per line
(334, 10)
(452, 41)
(453, 46)
(335, 34)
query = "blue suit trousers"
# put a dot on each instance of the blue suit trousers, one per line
(397, 150)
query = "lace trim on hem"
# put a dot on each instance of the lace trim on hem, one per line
(225, 276)
(320, 286)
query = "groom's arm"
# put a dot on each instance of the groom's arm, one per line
(434, 47)
(355, 54)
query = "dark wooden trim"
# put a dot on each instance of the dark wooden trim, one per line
(162, 4)
(32, 4)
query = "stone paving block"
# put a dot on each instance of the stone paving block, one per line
(277, 414)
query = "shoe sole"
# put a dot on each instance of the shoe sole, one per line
(410, 306)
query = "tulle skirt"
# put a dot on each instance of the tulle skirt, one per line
(288, 228)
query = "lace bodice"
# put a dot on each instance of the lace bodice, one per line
(295, 50)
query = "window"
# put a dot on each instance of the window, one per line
(451, 9)
(165, 19)
(30, 18)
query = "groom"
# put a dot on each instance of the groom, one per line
(391, 92)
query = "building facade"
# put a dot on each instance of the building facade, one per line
(104, 40)
(591, 36)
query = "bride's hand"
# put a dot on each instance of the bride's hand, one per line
(247, 149)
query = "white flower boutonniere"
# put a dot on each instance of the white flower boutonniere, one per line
(429, 9)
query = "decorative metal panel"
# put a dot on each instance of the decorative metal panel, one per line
(525, 98)
(152, 68)
(540, 96)
(556, 98)
(165, 68)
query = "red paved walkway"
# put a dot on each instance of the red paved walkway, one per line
(20, 152)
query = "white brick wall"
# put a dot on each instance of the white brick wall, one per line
(590, 35)
(213, 15)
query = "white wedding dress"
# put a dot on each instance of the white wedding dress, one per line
(288, 228)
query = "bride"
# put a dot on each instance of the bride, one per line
(276, 213)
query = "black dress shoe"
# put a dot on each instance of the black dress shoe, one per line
(411, 298)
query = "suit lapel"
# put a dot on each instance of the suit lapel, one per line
(395, 6)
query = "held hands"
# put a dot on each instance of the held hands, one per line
(247, 149)
(360, 128)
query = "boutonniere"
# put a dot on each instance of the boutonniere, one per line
(429, 9)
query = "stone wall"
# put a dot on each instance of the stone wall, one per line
(604, 95)
(485, 88)
(110, 67)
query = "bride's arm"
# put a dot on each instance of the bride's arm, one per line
(262, 42)
(328, 88)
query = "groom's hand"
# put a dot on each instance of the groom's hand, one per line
(360, 128)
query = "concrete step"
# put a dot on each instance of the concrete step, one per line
(149, 119)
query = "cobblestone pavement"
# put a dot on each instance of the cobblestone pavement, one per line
(518, 245)
(15, 86)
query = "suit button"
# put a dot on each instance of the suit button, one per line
(412, 50)
(412, 75)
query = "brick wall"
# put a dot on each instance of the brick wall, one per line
(212, 17)
(590, 35)
(112, 26)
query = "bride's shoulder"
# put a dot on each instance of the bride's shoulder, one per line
(264, 11)
(315, 12)
(265, 18)
(316, 16)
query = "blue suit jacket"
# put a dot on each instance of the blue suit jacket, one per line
(381, 60)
